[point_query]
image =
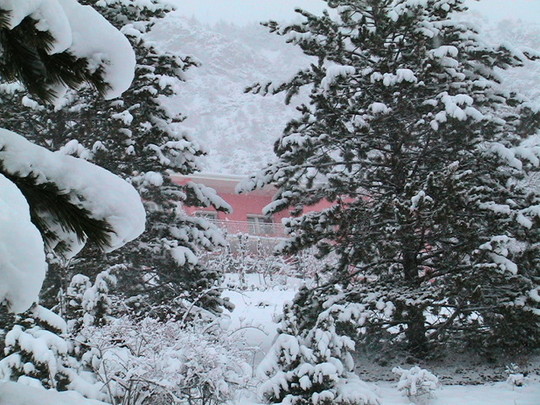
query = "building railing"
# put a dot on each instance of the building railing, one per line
(270, 230)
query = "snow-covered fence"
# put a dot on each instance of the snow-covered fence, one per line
(252, 228)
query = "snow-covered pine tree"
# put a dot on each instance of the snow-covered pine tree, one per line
(49, 47)
(35, 349)
(45, 196)
(313, 364)
(139, 139)
(424, 155)
(87, 303)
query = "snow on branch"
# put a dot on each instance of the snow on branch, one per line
(97, 194)
(22, 258)
(208, 197)
(105, 196)
(81, 32)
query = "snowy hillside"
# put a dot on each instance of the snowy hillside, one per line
(239, 129)
(516, 33)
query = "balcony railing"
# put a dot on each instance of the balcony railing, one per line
(269, 230)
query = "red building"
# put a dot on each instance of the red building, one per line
(247, 215)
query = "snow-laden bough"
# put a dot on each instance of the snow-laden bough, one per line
(102, 195)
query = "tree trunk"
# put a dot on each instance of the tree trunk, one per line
(417, 342)
(410, 267)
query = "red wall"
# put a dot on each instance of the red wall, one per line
(245, 204)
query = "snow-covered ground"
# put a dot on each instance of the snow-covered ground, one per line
(489, 394)
(259, 299)
(21, 394)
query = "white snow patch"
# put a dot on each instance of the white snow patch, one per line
(22, 394)
(380, 108)
(333, 72)
(183, 255)
(22, 256)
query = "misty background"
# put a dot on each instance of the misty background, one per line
(235, 51)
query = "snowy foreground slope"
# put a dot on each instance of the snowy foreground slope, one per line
(15, 393)
(260, 300)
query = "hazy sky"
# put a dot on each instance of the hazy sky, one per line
(245, 11)
(528, 10)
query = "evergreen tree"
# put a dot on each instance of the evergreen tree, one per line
(45, 47)
(313, 365)
(38, 351)
(89, 304)
(424, 156)
(41, 201)
(139, 139)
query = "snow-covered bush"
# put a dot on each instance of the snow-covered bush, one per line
(152, 362)
(416, 383)
(89, 304)
(516, 380)
(515, 377)
(247, 256)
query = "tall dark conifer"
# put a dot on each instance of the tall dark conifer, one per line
(424, 157)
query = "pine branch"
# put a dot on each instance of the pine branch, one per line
(46, 200)
(25, 58)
